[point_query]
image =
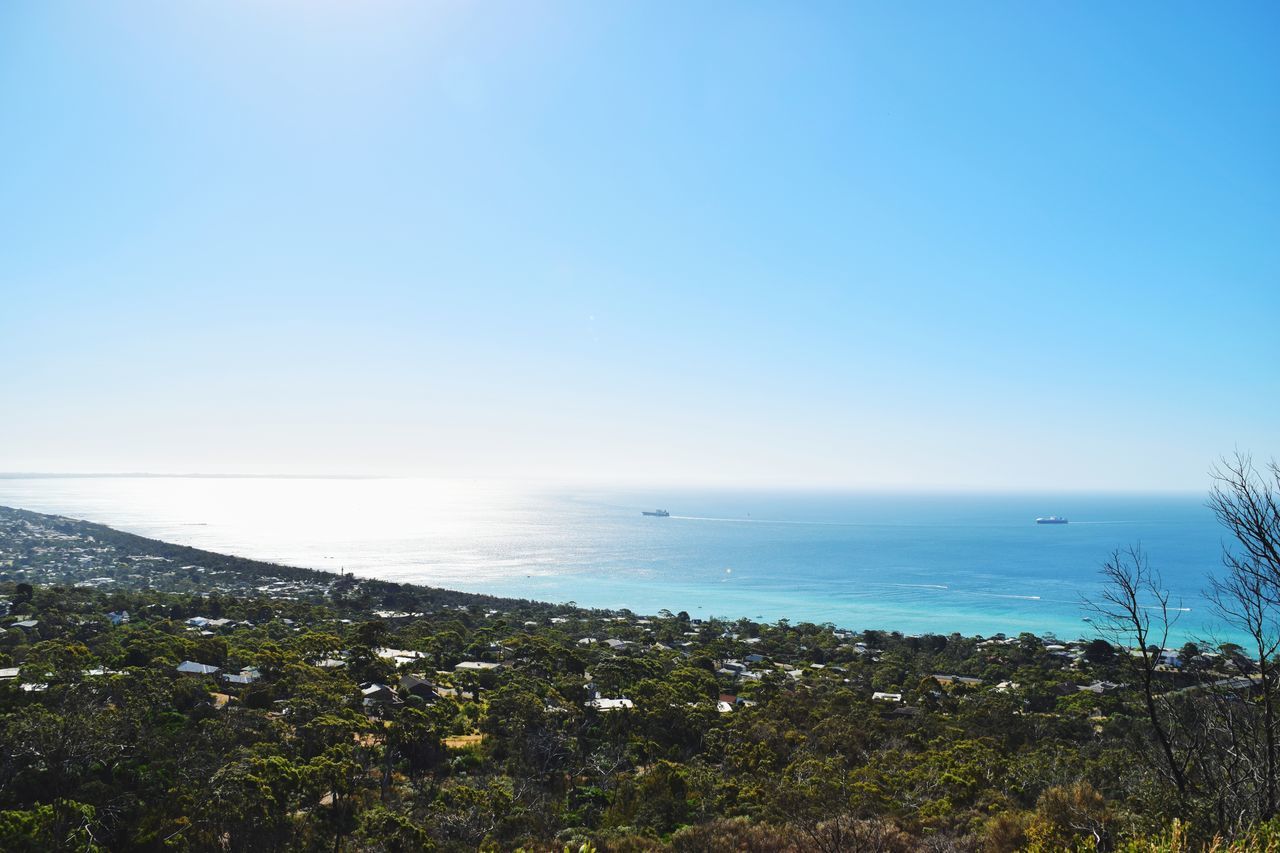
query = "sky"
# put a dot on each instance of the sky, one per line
(842, 245)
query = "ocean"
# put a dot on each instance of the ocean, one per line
(973, 563)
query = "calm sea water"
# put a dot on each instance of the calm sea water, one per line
(911, 562)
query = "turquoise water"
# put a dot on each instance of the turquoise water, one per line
(974, 563)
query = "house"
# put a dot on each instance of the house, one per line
(610, 704)
(248, 675)
(331, 663)
(8, 672)
(394, 614)
(1097, 687)
(415, 685)
(398, 653)
(961, 680)
(374, 694)
(190, 667)
(94, 582)
(118, 617)
(886, 697)
(399, 656)
(26, 624)
(616, 645)
(475, 666)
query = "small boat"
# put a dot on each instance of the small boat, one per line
(1052, 519)
(659, 513)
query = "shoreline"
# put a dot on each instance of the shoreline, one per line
(248, 567)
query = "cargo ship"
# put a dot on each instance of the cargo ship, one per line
(1052, 519)
(660, 513)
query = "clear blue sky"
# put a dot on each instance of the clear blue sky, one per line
(1005, 245)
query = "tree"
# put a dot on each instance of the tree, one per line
(384, 831)
(1218, 745)
(466, 812)
(1247, 503)
(1134, 612)
(415, 735)
(1065, 817)
(252, 798)
(1099, 651)
(1243, 599)
(64, 825)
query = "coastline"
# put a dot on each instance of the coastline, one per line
(248, 573)
(974, 564)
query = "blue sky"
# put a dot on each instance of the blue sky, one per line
(998, 245)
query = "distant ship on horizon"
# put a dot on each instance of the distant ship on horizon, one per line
(660, 513)
(1052, 519)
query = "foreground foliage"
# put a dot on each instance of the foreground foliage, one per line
(107, 746)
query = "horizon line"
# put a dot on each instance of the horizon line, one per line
(930, 488)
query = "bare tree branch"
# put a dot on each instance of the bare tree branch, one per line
(1133, 613)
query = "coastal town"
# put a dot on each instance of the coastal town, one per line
(49, 551)
(454, 712)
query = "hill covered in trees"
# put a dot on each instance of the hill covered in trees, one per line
(154, 697)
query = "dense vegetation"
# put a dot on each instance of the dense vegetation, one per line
(107, 744)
